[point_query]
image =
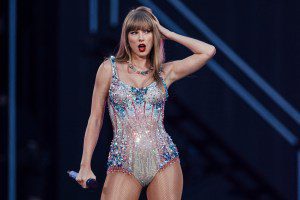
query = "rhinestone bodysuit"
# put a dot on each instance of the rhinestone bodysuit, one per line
(140, 146)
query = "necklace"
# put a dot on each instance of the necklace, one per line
(131, 66)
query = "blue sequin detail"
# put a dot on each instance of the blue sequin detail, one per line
(139, 94)
(140, 146)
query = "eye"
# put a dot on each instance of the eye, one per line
(133, 32)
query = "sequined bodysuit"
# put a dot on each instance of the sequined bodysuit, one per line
(140, 146)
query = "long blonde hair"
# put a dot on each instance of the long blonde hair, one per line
(142, 18)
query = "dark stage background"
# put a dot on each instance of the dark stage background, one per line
(237, 140)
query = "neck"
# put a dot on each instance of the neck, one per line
(140, 62)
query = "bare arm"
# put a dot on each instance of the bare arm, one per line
(95, 121)
(178, 69)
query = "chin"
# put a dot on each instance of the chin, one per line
(142, 53)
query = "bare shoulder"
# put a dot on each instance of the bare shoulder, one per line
(104, 73)
(105, 68)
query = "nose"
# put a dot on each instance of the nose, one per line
(141, 36)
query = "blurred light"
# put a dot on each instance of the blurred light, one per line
(238, 61)
(93, 16)
(12, 99)
(114, 13)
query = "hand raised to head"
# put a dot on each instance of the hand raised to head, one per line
(165, 33)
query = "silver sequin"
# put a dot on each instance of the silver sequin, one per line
(140, 145)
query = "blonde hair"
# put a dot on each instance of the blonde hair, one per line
(142, 18)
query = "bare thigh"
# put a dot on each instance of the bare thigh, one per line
(120, 185)
(167, 184)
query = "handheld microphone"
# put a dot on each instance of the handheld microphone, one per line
(90, 183)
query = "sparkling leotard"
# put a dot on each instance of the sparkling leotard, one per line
(140, 147)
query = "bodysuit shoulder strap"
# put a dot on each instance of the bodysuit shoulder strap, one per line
(163, 81)
(113, 64)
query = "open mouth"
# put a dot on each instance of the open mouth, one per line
(142, 47)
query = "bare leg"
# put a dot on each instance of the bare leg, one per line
(167, 184)
(120, 185)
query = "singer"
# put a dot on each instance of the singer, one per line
(135, 83)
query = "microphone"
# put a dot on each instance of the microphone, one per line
(90, 183)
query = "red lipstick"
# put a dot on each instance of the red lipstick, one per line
(142, 47)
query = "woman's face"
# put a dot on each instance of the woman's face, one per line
(141, 42)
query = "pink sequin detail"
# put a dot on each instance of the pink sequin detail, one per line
(141, 146)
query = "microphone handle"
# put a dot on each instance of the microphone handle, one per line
(90, 183)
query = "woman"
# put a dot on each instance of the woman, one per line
(135, 84)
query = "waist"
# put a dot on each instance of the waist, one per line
(140, 135)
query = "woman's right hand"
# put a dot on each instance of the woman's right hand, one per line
(84, 174)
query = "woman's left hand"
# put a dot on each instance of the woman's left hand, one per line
(164, 32)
